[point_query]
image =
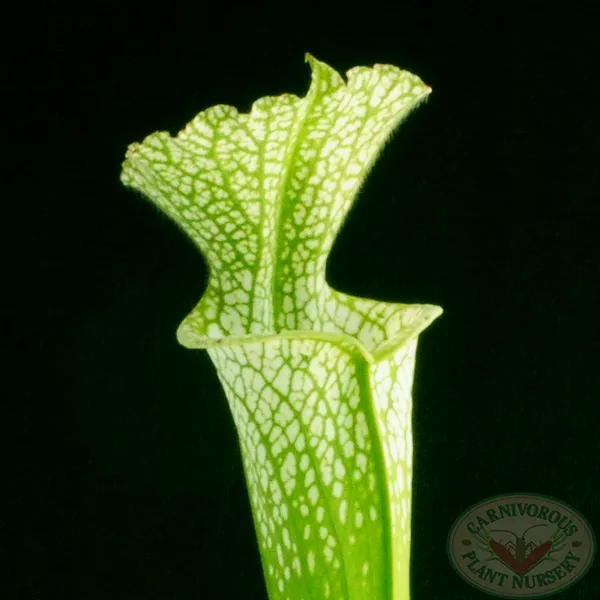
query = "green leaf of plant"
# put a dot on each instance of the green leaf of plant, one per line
(318, 381)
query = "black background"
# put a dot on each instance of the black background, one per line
(124, 478)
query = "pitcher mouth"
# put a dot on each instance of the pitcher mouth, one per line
(188, 336)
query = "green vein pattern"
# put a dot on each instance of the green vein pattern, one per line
(318, 381)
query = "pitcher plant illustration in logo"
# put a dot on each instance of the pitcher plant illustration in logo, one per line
(518, 554)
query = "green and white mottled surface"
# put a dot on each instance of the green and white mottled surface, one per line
(319, 382)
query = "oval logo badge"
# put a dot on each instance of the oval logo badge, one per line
(521, 546)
